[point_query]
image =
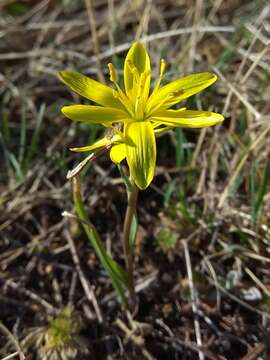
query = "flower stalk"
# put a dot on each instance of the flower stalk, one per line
(129, 239)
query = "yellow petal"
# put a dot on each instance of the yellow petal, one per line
(118, 153)
(93, 114)
(180, 89)
(89, 88)
(141, 152)
(187, 118)
(137, 61)
(101, 143)
(95, 146)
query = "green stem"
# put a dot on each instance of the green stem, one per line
(127, 246)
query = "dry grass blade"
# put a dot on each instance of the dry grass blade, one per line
(258, 142)
(237, 93)
(194, 299)
(95, 41)
(19, 352)
(85, 284)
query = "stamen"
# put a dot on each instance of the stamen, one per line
(134, 71)
(150, 110)
(168, 101)
(138, 108)
(130, 65)
(119, 94)
(116, 95)
(162, 68)
(142, 89)
(161, 72)
(142, 79)
(113, 76)
(138, 89)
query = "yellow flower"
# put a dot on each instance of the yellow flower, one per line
(141, 115)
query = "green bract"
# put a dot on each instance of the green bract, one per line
(142, 115)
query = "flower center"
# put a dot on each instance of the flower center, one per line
(138, 104)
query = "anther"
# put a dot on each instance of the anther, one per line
(112, 72)
(162, 68)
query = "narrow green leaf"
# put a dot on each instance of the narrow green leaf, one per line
(257, 195)
(179, 151)
(114, 270)
(22, 134)
(253, 195)
(32, 148)
(263, 186)
(168, 194)
(16, 165)
(5, 126)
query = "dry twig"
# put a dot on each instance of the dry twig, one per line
(85, 284)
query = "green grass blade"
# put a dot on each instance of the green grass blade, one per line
(16, 165)
(253, 195)
(262, 188)
(179, 151)
(22, 135)
(257, 194)
(5, 126)
(32, 148)
(168, 194)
